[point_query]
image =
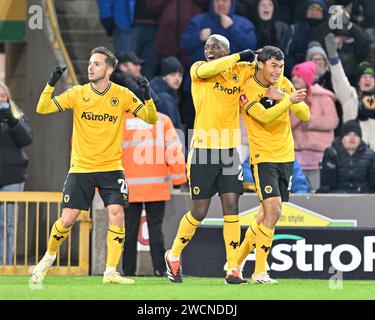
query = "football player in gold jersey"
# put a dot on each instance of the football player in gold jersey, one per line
(213, 162)
(266, 101)
(98, 110)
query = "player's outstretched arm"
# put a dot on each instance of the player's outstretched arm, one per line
(46, 104)
(148, 112)
(206, 70)
(301, 110)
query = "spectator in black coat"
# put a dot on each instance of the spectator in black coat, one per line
(362, 11)
(269, 30)
(166, 86)
(128, 71)
(348, 166)
(352, 45)
(295, 41)
(15, 133)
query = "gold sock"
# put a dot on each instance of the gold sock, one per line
(232, 235)
(263, 244)
(185, 232)
(248, 244)
(58, 234)
(115, 244)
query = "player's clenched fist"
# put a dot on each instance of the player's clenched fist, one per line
(298, 96)
(247, 55)
(144, 85)
(56, 74)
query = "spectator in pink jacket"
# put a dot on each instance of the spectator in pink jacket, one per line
(314, 136)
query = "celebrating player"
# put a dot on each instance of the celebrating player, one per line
(265, 103)
(98, 109)
(213, 163)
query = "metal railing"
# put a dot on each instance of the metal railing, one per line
(34, 215)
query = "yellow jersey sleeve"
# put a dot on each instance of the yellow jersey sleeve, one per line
(247, 68)
(47, 104)
(145, 111)
(148, 112)
(301, 110)
(249, 102)
(267, 115)
(205, 70)
(66, 100)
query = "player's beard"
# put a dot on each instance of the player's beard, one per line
(98, 78)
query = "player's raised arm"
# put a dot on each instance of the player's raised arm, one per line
(206, 70)
(146, 112)
(46, 103)
(216, 51)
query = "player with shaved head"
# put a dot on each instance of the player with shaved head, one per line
(213, 163)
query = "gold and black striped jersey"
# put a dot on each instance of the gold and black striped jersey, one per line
(97, 125)
(216, 102)
(269, 133)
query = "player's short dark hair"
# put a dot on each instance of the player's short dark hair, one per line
(269, 52)
(110, 60)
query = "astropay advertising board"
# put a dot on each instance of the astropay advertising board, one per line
(318, 253)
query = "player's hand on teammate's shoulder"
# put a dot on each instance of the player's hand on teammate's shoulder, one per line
(247, 55)
(298, 96)
(56, 74)
(274, 93)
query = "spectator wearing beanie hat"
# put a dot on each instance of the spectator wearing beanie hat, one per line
(171, 65)
(351, 126)
(306, 71)
(317, 54)
(166, 87)
(366, 89)
(311, 138)
(366, 78)
(348, 165)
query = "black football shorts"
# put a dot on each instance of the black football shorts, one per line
(79, 189)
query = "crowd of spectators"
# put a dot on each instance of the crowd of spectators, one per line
(329, 47)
